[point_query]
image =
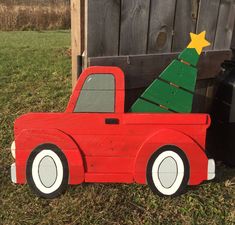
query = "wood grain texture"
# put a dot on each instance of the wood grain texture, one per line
(103, 27)
(141, 70)
(161, 25)
(185, 22)
(233, 42)
(199, 100)
(77, 35)
(207, 19)
(84, 55)
(225, 25)
(134, 26)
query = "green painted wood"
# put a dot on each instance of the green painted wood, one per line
(169, 96)
(144, 106)
(180, 74)
(172, 91)
(190, 56)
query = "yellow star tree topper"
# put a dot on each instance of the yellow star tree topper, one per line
(198, 41)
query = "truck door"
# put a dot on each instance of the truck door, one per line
(99, 124)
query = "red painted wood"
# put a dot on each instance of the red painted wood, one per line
(194, 152)
(109, 178)
(28, 139)
(100, 152)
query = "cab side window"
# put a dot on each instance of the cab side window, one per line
(97, 94)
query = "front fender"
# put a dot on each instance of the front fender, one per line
(196, 156)
(28, 140)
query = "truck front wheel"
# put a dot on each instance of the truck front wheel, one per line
(47, 171)
(168, 171)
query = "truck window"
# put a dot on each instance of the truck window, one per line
(97, 94)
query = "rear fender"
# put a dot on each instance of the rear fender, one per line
(28, 140)
(195, 154)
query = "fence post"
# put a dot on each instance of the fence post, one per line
(233, 43)
(77, 36)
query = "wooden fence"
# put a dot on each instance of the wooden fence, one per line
(143, 36)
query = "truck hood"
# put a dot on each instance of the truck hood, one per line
(37, 121)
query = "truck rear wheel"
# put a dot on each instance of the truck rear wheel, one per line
(47, 171)
(168, 171)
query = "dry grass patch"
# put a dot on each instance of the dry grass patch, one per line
(34, 17)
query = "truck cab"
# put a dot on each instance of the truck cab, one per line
(99, 90)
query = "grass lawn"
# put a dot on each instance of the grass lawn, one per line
(35, 76)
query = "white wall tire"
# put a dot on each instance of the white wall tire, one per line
(47, 171)
(168, 171)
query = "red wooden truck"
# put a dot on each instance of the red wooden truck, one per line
(94, 140)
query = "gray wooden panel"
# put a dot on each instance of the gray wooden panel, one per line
(141, 70)
(199, 98)
(161, 25)
(225, 24)
(134, 27)
(233, 39)
(233, 42)
(207, 19)
(203, 96)
(185, 22)
(103, 27)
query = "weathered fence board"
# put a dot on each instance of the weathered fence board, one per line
(207, 19)
(199, 99)
(134, 27)
(185, 22)
(103, 27)
(233, 42)
(161, 26)
(141, 70)
(225, 24)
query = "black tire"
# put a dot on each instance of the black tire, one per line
(165, 159)
(43, 157)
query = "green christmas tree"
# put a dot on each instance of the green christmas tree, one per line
(173, 90)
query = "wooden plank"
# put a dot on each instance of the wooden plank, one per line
(233, 42)
(103, 27)
(84, 55)
(203, 96)
(141, 70)
(185, 22)
(225, 25)
(77, 35)
(210, 92)
(207, 19)
(161, 26)
(134, 27)
(199, 100)
(233, 38)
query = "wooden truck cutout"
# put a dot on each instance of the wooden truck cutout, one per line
(94, 140)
